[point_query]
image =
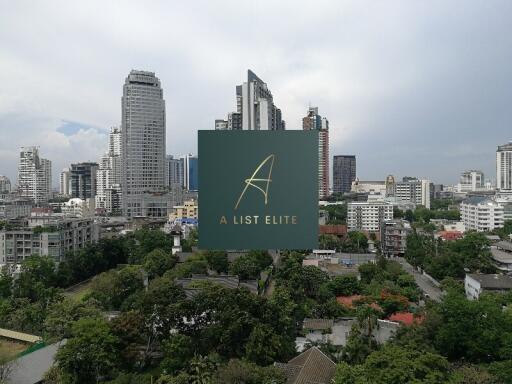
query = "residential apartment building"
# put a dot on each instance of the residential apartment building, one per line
(34, 176)
(368, 216)
(343, 173)
(65, 183)
(393, 237)
(14, 208)
(82, 180)
(142, 140)
(476, 283)
(255, 108)
(471, 181)
(418, 192)
(108, 176)
(313, 121)
(504, 167)
(5, 184)
(189, 210)
(47, 235)
(481, 214)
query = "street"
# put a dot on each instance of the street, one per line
(423, 282)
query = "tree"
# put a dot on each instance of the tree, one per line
(217, 260)
(239, 371)
(345, 285)
(178, 351)
(264, 345)
(157, 262)
(90, 353)
(249, 266)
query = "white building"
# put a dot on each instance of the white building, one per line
(415, 191)
(368, 216)
(504, 167)
(78, 207)
(481, 214)
(64, 182)
(313, 121)
(34, 176)
(475, 284)
(108, 176)
(372, 187)
(471, 181)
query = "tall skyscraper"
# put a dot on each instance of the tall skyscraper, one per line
(64, 182)
(174, 171)
(190, 172)
(108, 176)
(504, 167)
(34, 175)
(314, 121)
(142, 140)
(82, 178)
(255, 108)
(343, 173)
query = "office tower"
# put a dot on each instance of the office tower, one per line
(143, 140)
(5, 184)
(390, 186)
(34, 175)
(504, 167)
(343, 173)
(174, 171)
(314, 121)
(190, 172)
(64, 182)
(108, 176)
(82, 180)
(255, 108)
(471, 181)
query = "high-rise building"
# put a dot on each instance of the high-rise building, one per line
(174, 171)
(82, 180)
(314, 121)
(368, 216)
(471, 181)
(255, 108)
(190, 172)
(413, 190)
(504, 167)
(108, 176)
(5, 184)
(143, 140)
(343, 173)
(64, 182)
(34, 175)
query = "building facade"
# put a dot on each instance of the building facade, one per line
(343, 173)
(313, 121)
(481, 214)
(393, 237)
(34, 176)
(174, 171)
(108, 176)
(64, 183)
(504, 167)
(142, 140)
(5, 184)
(189, 210)
(82, 180)
(46, 236)
(190, 172)
(368, 216)
(471, 181)
(413, 190)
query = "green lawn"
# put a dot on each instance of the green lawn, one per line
(79, 292)
(10, 349)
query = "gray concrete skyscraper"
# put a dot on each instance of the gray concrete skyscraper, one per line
(34, 176)
(142, 140)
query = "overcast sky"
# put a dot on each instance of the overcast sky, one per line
(420, 88)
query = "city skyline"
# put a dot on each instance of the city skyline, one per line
(403, 77)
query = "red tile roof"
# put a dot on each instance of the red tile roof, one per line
(450, 235)
(406, 318)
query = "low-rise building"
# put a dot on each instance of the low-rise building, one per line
(49, 235)
(14, 208)
(394, 237)
(481, 214)
(311, 366)
(368, 216)
(501, 254)
(189, 210)
(475, 284)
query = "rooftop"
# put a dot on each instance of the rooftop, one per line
(310, 367)
(492, 281)
(317, 324)
(406, 318)
(501, 256)
(504, 245)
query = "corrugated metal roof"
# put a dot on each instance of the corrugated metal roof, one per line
(19, 336)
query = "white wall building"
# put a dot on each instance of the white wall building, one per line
(64, 182)
(108, 176)
(504, 167)
(414, 191)
(475, 284)
(5, 184)
(481, 214)
(368, 216)
(471, 181)
(34, 176)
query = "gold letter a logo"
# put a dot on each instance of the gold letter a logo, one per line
(251, 182)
